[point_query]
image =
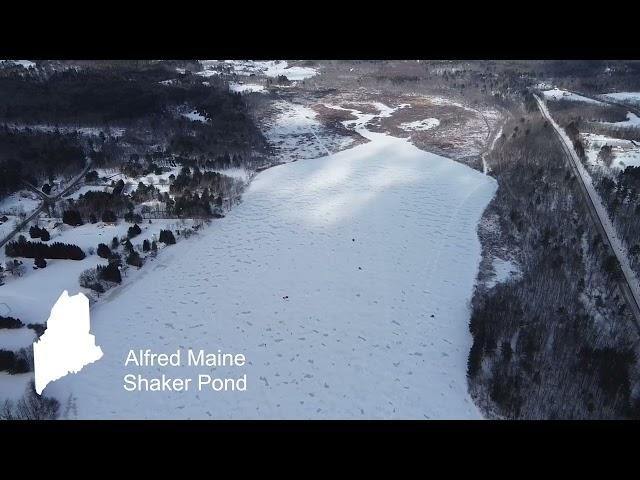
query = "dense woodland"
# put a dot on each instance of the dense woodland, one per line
(618, 189)
(44, 112)
(556, 341)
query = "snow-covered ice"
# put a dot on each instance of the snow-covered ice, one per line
(345, 281)
(296, 134)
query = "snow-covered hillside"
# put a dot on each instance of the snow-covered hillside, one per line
(344, 279)
(624, 97)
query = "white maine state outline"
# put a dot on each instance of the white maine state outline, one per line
(66, 346)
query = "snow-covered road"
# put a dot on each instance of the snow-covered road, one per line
(345, 280)
(630, 285)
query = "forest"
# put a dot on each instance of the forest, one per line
(52, 120)
(557, 341)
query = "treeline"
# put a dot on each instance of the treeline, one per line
(41, 233)
(621, 195)
(100, 205)
(57, 250)
(10, 322)
(30, 407)
(15, 362)
(213, 186)
(543, 340)
(34, 154)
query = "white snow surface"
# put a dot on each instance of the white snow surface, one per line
(628, 97)
(269, 68)
(16, 338)
(246, 88)
(625, 152)
(13, 387)
(195, 116)
(23, 201)
(504, 270)
(296, 134)
(420, 125)
(558, 94)
(31, 296)
(632, 121)
(345, 281)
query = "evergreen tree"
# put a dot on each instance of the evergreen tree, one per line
(109, 217)
(134, 231)
(103, 251)
(72, 217)
(166, 236)
(35, 232)
(110, 273)
(134, 259)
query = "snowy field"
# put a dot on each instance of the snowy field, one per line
(420, 125)
(32, 295)
(625, 152)
(23, 201)
(345, 281)
(632, 98)
(557, 94)
(7, 227)
(504, 270)
(246, 88)
(268, 68)
(632, 121)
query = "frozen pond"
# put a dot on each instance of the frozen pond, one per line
(344, 280)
